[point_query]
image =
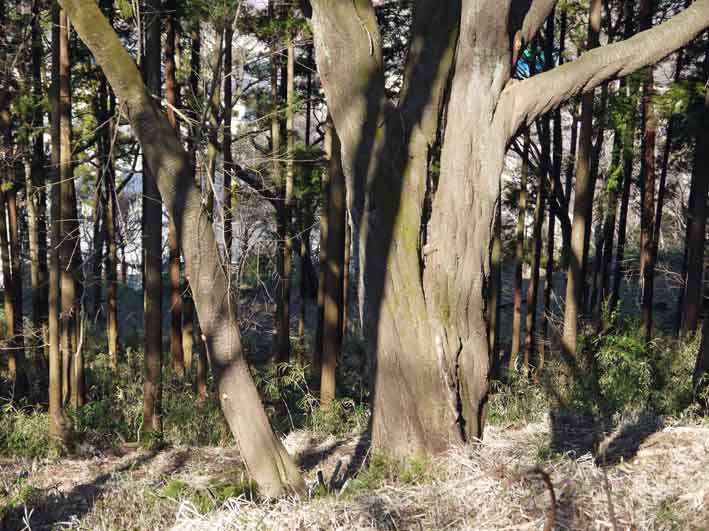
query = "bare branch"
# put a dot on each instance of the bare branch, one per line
(522, 102)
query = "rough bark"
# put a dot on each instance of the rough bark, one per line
(423, 299)
(264, 455)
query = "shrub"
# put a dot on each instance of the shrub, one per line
(24, 433)
(516, 400)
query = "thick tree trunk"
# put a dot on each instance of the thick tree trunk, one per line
(264, 455)
(519, 257)
(333, 280)
(171, 95)
(424, 275)
(583, 202)
(152, 241)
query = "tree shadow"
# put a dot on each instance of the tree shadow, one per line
(50, 509)
(610, 442)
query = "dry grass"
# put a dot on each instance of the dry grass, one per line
(485, 486)
(658, 480)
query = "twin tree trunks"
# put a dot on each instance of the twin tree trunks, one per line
(423, 238)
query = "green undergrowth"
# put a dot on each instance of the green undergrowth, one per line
(209, 497)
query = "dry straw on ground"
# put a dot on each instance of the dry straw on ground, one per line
(654, 479)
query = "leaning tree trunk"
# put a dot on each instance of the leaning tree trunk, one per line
(424, 275)
(265, 457)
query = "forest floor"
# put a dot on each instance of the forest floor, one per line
(645, 475)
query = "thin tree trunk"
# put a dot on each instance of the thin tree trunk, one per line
(36, 194)
(15, 366)
(519, 257)
(334, 273)
(696, 224)
(152, 243)
(557, 159)
(533, 286)
(58, 424)
(282, 337)
(171, 95)
(583, 201)
(322, 256)
(16, 279)
(68, 223)
(228, 158)
(647, 183)
(346, 274)
(495, 289)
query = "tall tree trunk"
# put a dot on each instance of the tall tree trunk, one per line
(171, 95)
(647, 182)
(58, 424)
(281, 345)
(36, 196)
(264, 456)
(519, 257)
(696, 224)
(334, 272)
(424, 275)
(71, 357)
(583, 201)
(152, 242)
(530, 343)
(228, 158)
(322, 256)
(556, 163)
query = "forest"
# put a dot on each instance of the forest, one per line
(366, 264)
